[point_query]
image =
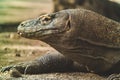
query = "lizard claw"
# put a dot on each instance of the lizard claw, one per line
(7, 68)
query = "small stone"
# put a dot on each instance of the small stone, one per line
(5, 48)
(31, 53)
(17, 55)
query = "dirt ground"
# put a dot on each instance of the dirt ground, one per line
(58, 76)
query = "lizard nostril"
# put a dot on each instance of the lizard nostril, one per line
(22, 24)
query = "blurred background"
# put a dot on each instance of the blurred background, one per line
(15, 11)
(14, 49)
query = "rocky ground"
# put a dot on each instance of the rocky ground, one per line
(57, 76)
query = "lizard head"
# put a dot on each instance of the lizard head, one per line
(45, 26)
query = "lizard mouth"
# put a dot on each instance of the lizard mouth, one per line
(20, 33)
(39, 33)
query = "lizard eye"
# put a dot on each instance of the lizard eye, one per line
(45, 19)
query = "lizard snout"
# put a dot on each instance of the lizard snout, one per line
(20, 33)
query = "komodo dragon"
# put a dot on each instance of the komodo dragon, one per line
(85, 41)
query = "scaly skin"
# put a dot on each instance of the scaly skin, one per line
(86, 37)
